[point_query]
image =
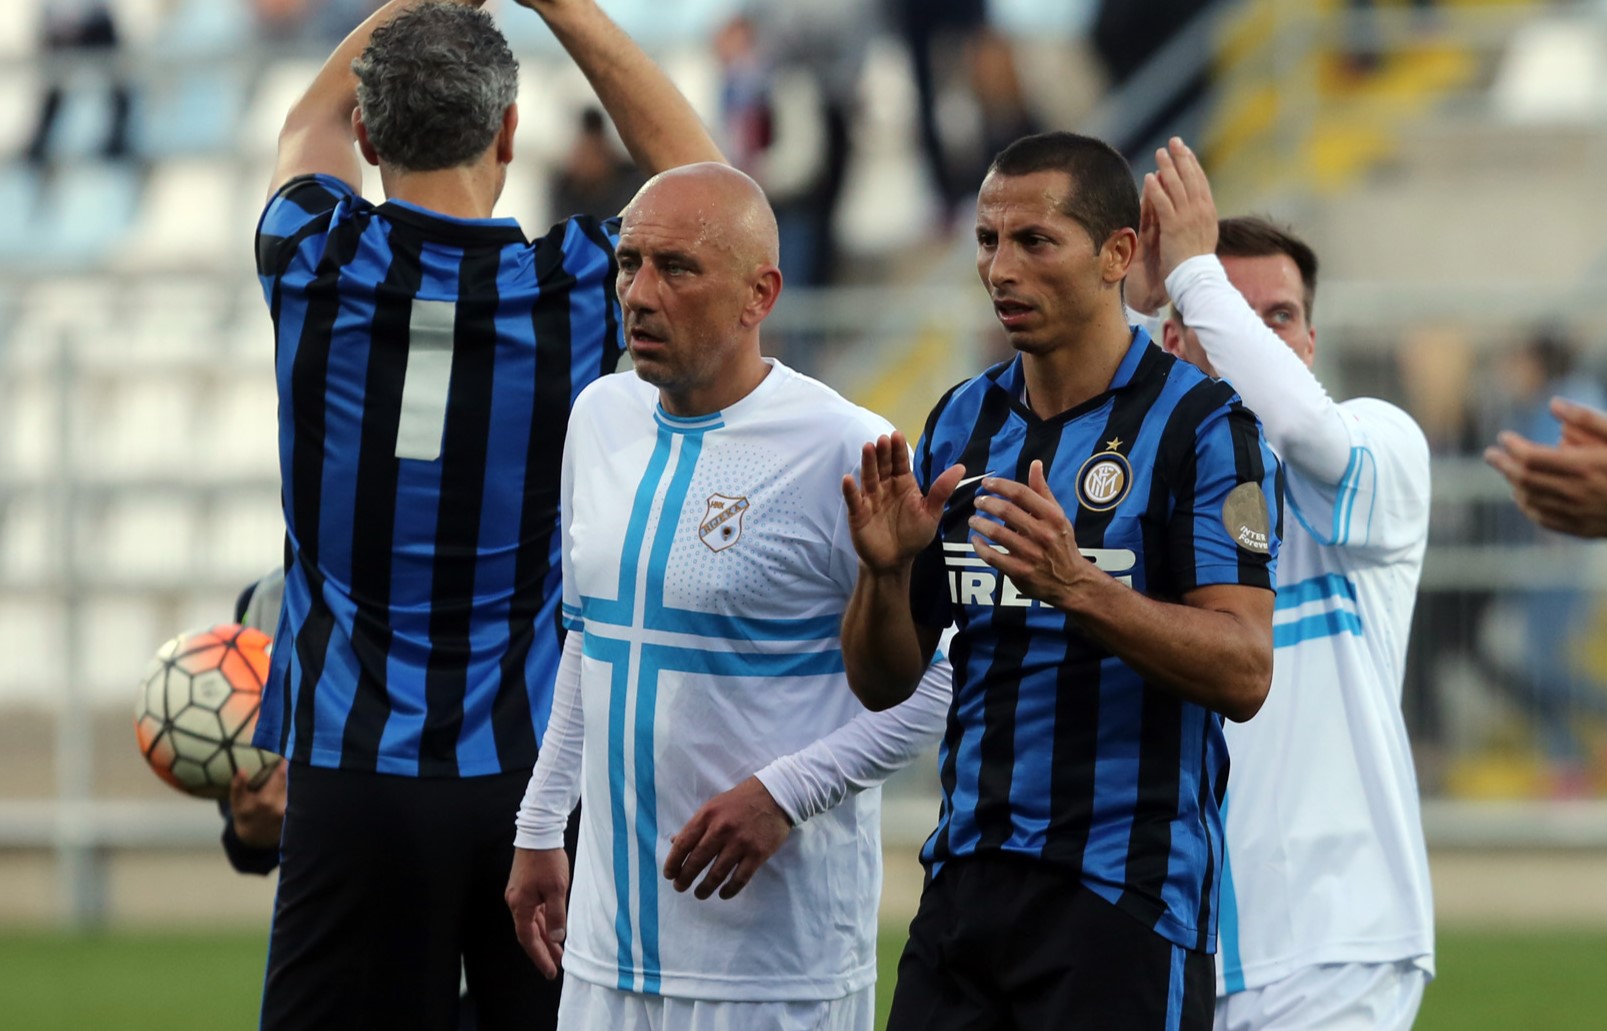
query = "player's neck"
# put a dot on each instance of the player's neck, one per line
(735, 382)
(465, 192)
(1079, 368)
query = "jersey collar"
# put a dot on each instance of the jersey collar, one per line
(453, 229)
(1010, 378)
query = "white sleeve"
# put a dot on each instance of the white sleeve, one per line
(1302, 422)
(1381, 503)
(554, 786)
(862, 752)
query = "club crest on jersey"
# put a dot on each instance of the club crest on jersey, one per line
(722, 523)
(1104, 480)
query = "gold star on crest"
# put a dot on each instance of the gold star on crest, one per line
(1114, 444)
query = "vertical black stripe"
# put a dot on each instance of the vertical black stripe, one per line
(465, 444)
(612, 343)
(1204, 799)
(1175, 461)
(923, 456)
(511, 719)
(1250, 468)
(309, 379)
(994, 412)
(1161, 720)
(1013, 637)
(374, 513)
(1072, 785)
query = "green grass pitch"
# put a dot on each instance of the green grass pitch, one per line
(184, 981)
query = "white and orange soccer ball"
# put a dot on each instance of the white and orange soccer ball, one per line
(197, 708)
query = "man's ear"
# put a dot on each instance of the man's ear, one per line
(1116, 256)
(364, 146)
(510, 125)
(1172, 338)
(762, 294)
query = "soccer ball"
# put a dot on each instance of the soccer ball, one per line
(197, 708)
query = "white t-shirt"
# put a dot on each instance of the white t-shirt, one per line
(1325, 855)
(707, 563)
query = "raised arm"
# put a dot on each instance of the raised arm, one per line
(654, 119)
(317, 137)
(1177, 240)
(891, 521)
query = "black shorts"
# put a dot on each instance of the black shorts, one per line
(1006, 942)
(389, 887)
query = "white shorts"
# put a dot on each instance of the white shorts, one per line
(591, 1007)
(1333, 997)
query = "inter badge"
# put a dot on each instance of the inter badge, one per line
(1104, 480)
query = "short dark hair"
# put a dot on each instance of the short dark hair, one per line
(433, 85)
(1252, 236)
(1104, 196)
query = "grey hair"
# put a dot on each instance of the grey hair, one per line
(433, 85)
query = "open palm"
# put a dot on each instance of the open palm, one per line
(888, 516)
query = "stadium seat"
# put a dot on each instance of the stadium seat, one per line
(19, 197)
(147, 536)
(280, 85)
(188, 112)
(21, 28)
(186, 218)
(85, 211)
(20, 96)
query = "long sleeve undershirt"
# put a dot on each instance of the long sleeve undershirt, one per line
(1302, 423)
(860, 754)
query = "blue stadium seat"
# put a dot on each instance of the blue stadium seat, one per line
(19, 197)
(86, 211)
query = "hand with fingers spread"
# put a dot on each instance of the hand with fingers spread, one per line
(537, 896)
(1178, 207)
(1030, 539)
(732, 835)
(1562, 488)
(888, 516)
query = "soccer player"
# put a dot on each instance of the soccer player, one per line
(706, 567)
(1100, 521)
(1561, 487)
(427, 356)
(1326, 917)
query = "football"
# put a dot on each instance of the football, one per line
(197, 708)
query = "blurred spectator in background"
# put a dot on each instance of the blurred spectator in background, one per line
(1363, 35)
(934, 31)
(1436, 366)
(790, 87)
(81, 25)
(595, 177)
(1126, 36)
(1554, 616)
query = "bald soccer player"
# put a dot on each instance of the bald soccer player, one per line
(707, 565)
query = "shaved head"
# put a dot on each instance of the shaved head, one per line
(730, 211)
(697, 275)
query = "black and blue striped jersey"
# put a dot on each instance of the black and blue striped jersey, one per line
(426, 366)
(1056, 748)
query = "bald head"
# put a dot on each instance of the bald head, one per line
(714, 205)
